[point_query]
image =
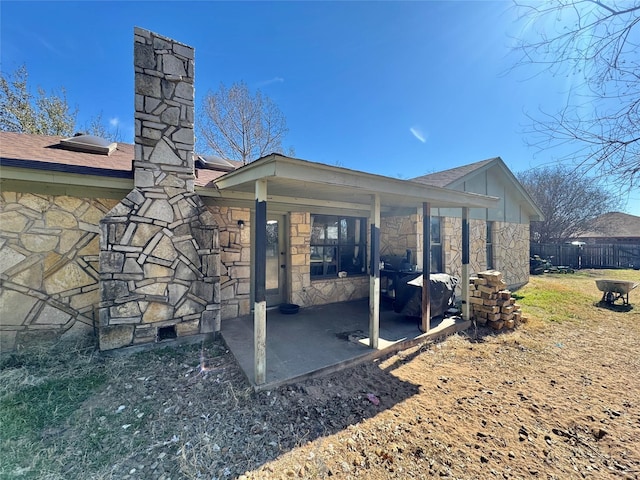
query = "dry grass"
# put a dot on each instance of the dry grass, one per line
(555, 398)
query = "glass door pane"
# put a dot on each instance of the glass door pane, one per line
(273, 255)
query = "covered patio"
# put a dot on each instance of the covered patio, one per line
(340, 338)
(276, 183)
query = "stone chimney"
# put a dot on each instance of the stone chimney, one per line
(159, 252)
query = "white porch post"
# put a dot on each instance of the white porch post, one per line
(374, 279)
(465, 263)
(426, 267)
(260, 301)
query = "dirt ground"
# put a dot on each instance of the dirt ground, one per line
(548, 400)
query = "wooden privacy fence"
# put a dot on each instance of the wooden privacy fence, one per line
(589, 255)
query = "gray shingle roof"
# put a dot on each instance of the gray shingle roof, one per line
(447, 177)
(614, 224)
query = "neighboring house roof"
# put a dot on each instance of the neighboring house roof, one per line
(455, 178)
(614, 225)
(42, 152)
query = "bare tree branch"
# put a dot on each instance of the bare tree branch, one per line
(596, 43)
(240, 126)
(98, 127)
(568, 201)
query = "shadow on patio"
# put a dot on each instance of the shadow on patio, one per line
(324, 339)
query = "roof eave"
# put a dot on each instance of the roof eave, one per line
(535, 214)
(321, 174)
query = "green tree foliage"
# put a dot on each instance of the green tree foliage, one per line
(568, 201)
(238, 125)
(39, 113)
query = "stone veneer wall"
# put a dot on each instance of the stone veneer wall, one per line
(235, 260)
(511, 252)
(510, 244)
(299, 257)
(397, 234)
(48, 266)
(451, 235)
(159, 250)
(49, 272)
(306, 292)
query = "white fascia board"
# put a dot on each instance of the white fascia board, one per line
(231, 195)
(536, 213)
(285, 207)
(320, 174)
(530, 207)
(371, 184)
(249, 173)
(66, 179)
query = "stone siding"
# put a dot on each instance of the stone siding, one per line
(510, 245)
(306, 292)
(299, 260)
(511, 252)
(48, 266)
(49, 272)
(235, 260)
(159, 250)
(510, 249)
(49, 263)
(451, 234)
(333, 290)
(397, 234)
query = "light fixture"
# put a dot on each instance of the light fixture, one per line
(241, 224)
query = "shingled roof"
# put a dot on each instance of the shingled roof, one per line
(614, 225)
(45, 152)
(42, 152)
(455, 178)
(447, 177)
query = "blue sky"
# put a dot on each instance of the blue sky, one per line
(393, 88)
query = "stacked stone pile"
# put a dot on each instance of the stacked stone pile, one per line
(492, 303)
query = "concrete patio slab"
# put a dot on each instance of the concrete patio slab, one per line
(323, 339)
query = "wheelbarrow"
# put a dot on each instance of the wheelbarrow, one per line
(614, 290)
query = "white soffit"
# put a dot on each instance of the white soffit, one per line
(301, 179)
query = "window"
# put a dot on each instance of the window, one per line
(436, 245)
(489, 244)
(338, 244)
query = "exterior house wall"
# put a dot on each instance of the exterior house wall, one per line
(510, 242)
(510, 249)
(49, 274)
(452, 245)
(399, 233)
(306, 292)
(511, 252)
(299, 259)
(49, 261)
(235, 260)
(510, 229)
